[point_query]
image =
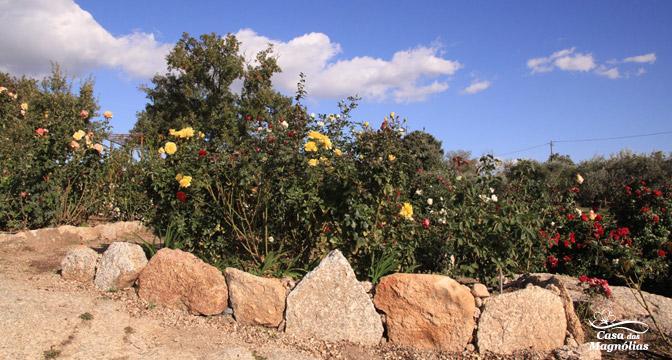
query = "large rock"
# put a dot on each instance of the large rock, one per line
(529, 319)
(625, 304)
(622, 304)
(330, 304)
(179, 280)
(256, 300)
(79, 264)
(426, 311)
(120, 265)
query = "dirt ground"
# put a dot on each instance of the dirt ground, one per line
(43, 316)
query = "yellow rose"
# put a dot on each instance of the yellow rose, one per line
(185, 181)
(170, 148)
(162, 150)
(201, 135)
(324, 160)
(338, 152)
(78, 135)
(326, 142)
(187, 132)
(310, 146)
(579, 179)
(179, 176)
(314, 135)
(313, 162)
(172, 132)
(391, 157)
(366, 124)
(392, 115)
(406, 211)
(107, 114)
(24, 106)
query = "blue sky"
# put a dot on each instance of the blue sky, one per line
(547, 70)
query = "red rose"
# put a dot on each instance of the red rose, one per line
(248, 117)
(598, 217)
(583, 278)
(425, 223)
(662, 253)
(656, 219)
(645, 210)
(566, 258)
(552, 261)
(181, 196)
(572, 238)
(41, 131)
(202, 153)
(628, 189)
(584, 217)
(657, 193)
(643, 183)
(574, 189)
(570, 217)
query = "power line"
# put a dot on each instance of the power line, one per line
(525, 149)
(613, 138)
(551, 142)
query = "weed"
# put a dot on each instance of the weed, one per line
(129, 330)
(52, 353)
(86, 316)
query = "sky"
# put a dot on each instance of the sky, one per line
(482, 76)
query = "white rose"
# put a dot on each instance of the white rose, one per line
(430, 201)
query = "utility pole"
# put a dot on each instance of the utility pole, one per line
(551, 143)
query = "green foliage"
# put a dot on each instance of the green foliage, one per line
(171, 239)
(249, 179)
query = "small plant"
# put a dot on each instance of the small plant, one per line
(170, 240)
(151, 306)
(129, 330)
(52, 353)
(86, 316)
(258, 357)
(385, 265)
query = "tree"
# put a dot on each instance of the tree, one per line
(198, 91)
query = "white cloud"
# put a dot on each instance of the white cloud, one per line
(566, 59)
(649, 58)
(611, 73)
(36, 32)
(641, 71)
(476, 87)
(405, 77)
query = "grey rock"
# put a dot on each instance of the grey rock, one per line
(330, 304)
(529, 319)
(120, 266)
(79, 264)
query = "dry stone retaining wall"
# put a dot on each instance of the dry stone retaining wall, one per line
(421, 311)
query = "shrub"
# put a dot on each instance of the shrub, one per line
(51, 153)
